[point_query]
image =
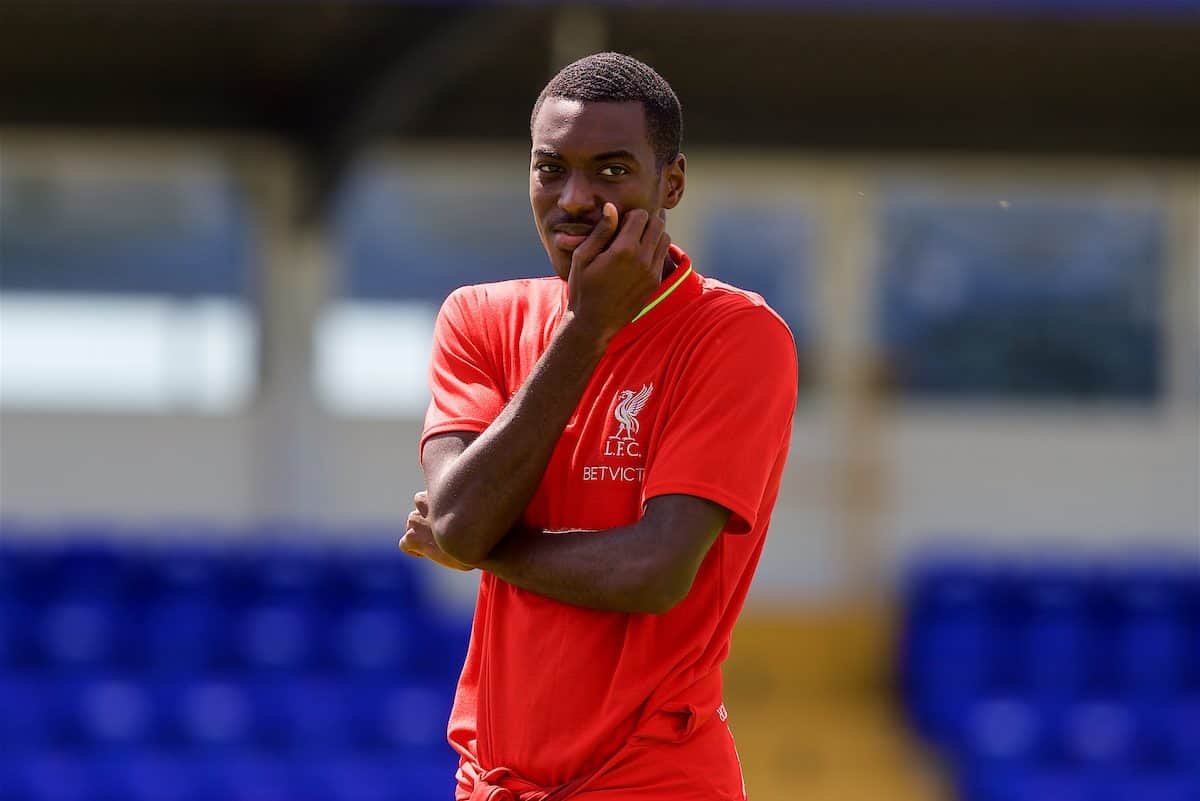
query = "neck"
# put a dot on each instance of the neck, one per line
(669, 266)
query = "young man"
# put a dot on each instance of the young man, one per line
(606, 446)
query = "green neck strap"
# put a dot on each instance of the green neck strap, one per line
(663, 296)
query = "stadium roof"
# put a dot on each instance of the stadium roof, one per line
(1108, 77)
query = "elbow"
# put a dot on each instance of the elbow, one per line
(663, 590)
(657, 604)
(458, 541)
(456, 532)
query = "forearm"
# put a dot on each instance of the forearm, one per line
(478, 496)
(611, 570)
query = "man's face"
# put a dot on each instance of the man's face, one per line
(585, 155)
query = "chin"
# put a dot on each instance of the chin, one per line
(560, 265)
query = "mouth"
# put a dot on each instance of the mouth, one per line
(564, 241)
(568, 236)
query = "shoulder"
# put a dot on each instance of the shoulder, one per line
(503, 299)
(727, 311)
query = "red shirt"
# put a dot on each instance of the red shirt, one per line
(694, 397)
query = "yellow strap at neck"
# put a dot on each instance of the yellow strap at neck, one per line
(663, 296)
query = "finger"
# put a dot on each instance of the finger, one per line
(661, 251)
(651, 236)
(655, 225)
(634, 225)
(415, 519)
(421, 501)
(406, 545)
(598, 239)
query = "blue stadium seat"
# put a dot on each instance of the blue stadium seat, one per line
(150, 775)
(29, 720)
(88, 563)
(1101, 733)
(376, 639)
(377, 576)
(1101, 703)
(306, 714)
(183, 671)
(251, 776)
(948, 648)
(110, 712)
(79, 632)
(185, 633)
(358, 777)
(444, 646)
(281, 565)
(1056, 635)
(183, 569)
(1061, 782)
(402, 716)
(277, 636)
(210, 714)
(292, 577)
(9, 575)
(1039, 781)
(1181, 724)
(1004, 729)
(1150, 785)
(57, 776)
(18, 635)
(12, 776)
(32, 564)
(1151, 639)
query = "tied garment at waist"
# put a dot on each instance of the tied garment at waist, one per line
(501, 784)
(672, 723)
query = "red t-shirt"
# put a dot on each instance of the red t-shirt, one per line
(695, 397)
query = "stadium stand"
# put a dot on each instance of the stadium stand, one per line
(1051, 680)
(191, 670)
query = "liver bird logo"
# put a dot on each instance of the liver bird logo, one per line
(629, 403)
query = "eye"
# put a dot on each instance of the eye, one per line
(547, 168)
(614, 170)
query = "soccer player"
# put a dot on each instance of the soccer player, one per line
(606, 446)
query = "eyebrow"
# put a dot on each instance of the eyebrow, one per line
(550, 153)
(614, 154)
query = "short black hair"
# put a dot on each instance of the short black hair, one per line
(618, 78)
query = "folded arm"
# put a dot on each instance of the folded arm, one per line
(479, 486)
(647, 567)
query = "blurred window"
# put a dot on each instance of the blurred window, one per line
(124, 284)
(410, 231)
(1039, 295)
(765, 250)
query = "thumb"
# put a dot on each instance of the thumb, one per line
(597, 240)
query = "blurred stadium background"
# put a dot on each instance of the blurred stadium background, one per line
(225, 229)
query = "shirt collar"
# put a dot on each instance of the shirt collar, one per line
(680, 286)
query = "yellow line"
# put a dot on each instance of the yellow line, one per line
(663, 296)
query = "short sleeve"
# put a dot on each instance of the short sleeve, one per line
(466, 394)
(729, 419)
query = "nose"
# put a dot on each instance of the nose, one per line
(577, 197)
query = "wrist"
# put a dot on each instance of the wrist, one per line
(585, 336)
(495, 561)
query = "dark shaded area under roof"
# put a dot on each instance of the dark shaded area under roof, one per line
(331, 76)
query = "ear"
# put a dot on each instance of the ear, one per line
(673, 182)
